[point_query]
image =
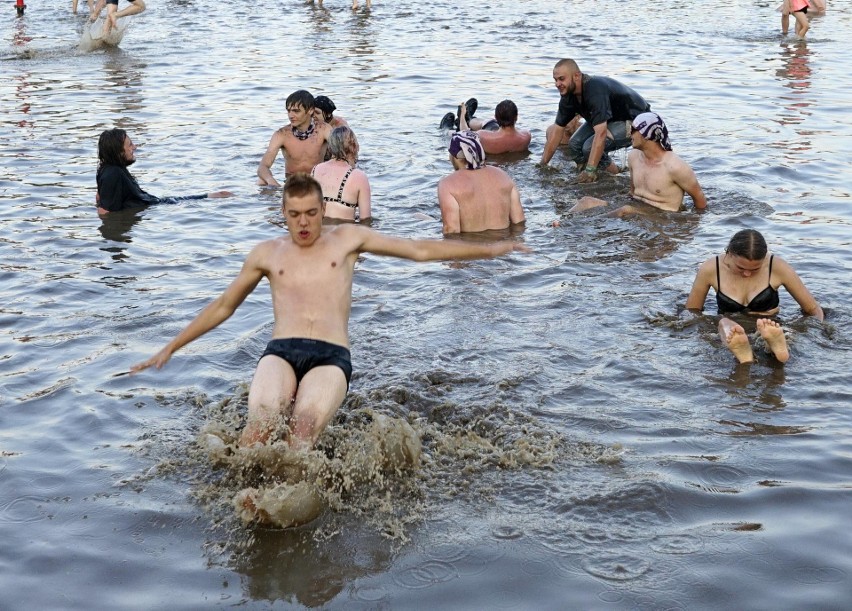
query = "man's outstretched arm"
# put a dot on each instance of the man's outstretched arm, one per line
(433, 250)
(217, 312)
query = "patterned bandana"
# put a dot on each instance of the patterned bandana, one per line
(304, 135)
(467, 145)
(651, 126)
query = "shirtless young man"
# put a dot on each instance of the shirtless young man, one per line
(476, 197)
(658, 177)
(302, 142)
(498, 135)
(304, 373)
(113, 14)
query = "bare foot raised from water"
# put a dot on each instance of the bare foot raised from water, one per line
(773, 335)
(735, 338)
(246, 505)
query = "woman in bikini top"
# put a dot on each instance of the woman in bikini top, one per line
(346, 190)
(750, 277)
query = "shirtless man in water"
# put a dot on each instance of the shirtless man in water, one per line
(658, 177)
(304, 373)
(476, 197)
(302, 142)
(498, 135)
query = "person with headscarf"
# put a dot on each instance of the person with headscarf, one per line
(324, 111)
(658, 177)
(476, 197)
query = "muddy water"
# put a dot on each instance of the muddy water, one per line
(584, 445)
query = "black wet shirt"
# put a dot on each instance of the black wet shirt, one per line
(118, 190)
(604, 99)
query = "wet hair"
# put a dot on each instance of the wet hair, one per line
(506, 113)
(111, 148)
(300, 98)
(325, 104)
(301, 185)
(748, 244)
(567, 63)
(342, 144)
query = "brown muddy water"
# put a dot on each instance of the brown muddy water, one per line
(584, 444)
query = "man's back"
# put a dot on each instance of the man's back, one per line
(505, 140)
(478, 200)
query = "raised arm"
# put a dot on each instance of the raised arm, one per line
(797, 289)
(217, 312)
(701, 286)
(264, 168)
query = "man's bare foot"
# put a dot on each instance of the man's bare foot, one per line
(246, 505)
(736, 340)
(256, 432)
(773, 335)
(587, 202)
(612, 168)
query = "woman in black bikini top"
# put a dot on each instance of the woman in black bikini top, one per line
(751, 278)
(346, 190)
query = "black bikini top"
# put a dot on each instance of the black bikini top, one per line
(339, 198)
(764, 301)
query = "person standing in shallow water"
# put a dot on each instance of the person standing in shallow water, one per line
(346, 189)
(303, 376)
(302, 142)
(746, 280)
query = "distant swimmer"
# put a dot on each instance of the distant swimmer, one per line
(345, 188)
(303, 376)
(324, 111)
(746, 280)
(658, 177)
(799, 10)
(498, 135)
(113, 14)
(302, 142)
(476, 197)
(117, 188)
(607, 106)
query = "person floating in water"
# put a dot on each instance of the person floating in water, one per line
(117, 188)
(303, 375)
(476, 197)
(498, 135)
(608, 108)
(346, 189)
(746, 280)
(302, 142)
(113, 14)
(658, 177)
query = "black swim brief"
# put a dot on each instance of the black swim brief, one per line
(305, 354)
